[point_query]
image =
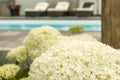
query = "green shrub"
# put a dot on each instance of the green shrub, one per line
(25, 78)
(75, 29)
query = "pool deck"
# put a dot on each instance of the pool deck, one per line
(10, 39)
(50, 18)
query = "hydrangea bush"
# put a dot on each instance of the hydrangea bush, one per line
(8, 71)
(78, 57)
(19, 54)
(40, 39)
(77, 60)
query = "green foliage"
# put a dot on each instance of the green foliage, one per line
(24, 78)
(75, 29)
(8, 79)
(23, 73)
(12, 79)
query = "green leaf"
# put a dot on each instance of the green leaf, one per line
(23, 73)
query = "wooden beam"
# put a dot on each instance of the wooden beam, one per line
(111, 22)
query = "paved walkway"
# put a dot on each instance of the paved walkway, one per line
(11, 38)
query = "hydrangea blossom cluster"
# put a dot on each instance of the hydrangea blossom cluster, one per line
(19, 54)
(77, 60)
(81, 37)
(40, 39)
(8, 71)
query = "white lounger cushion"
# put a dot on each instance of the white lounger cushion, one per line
(41, 6)
(53, 9)
(81, 8)
(61, 6)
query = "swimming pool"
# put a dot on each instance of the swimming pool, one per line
(89, 25)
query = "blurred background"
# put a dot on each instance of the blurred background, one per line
(31, 4)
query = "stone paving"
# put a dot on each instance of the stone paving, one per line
(10, 39)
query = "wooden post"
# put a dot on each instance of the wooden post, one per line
(111, 22)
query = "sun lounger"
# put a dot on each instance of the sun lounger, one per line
(85, 9)
(39, 10)
(61, 9)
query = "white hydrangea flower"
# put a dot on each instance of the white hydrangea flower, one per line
(40, 39)
(77, 60)
(83, 37)
(19, 54)
(9, 71)
(80, 37)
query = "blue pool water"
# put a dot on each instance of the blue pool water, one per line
(89, 25)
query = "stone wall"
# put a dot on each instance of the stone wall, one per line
(4, 11)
